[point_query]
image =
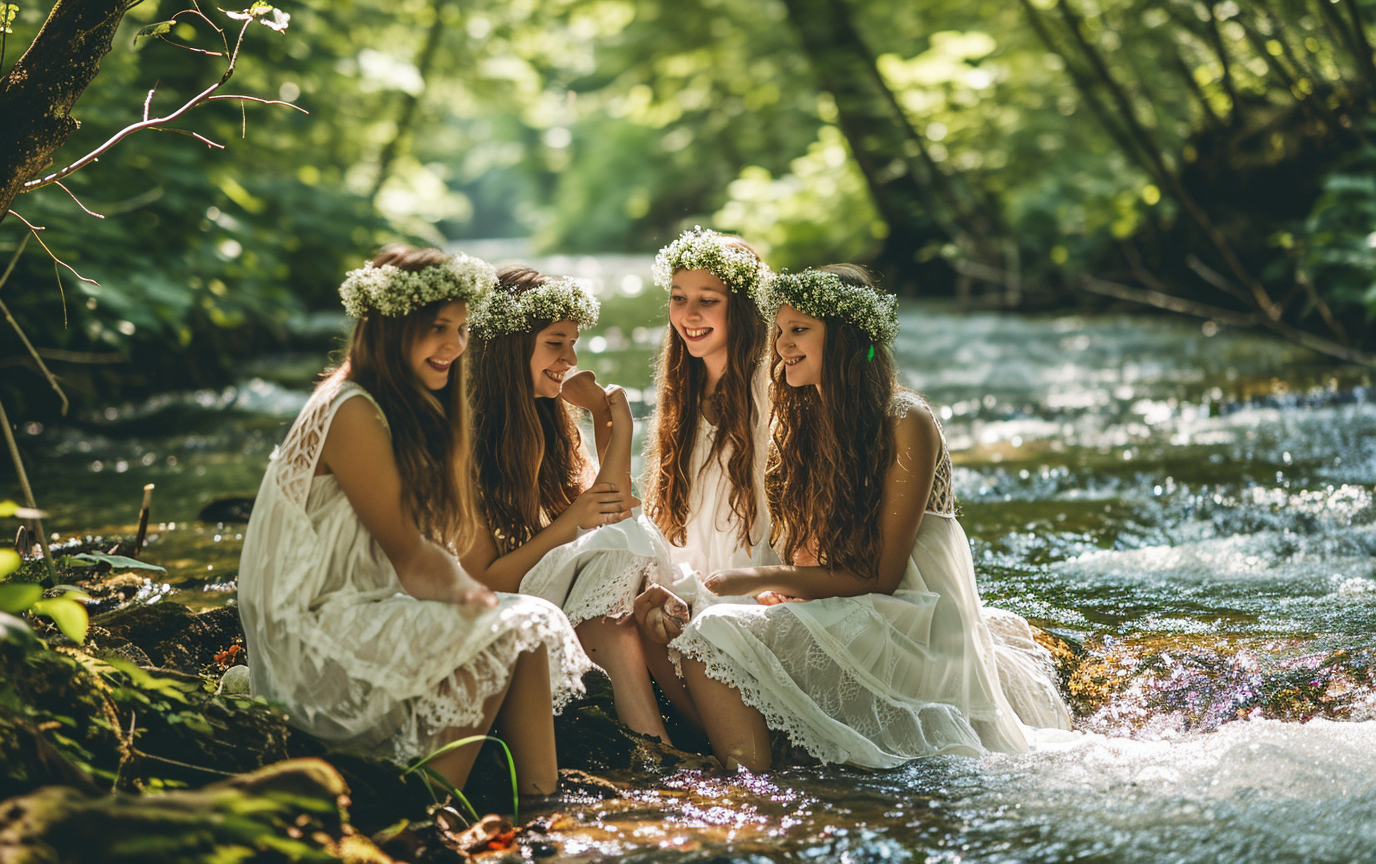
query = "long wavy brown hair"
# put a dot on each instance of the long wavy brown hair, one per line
(679, 382)
(530, 463)
(832, 449)
(430, 430)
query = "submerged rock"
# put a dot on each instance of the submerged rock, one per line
(1159, 686)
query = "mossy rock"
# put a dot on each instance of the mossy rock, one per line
(172, 635)
(291, 811)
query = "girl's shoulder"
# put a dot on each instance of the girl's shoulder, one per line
(905, 400)
(333, 394)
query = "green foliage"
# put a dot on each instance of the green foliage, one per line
(66, 610)
(1336, 246)
(423, 765)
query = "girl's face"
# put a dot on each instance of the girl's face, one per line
(436, 347)
(799, 338)
(553, 356)
(697, 312)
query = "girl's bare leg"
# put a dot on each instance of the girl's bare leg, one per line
(662, 670)
(739, 735)
(616, 648)
(526, 723)
(536, 766)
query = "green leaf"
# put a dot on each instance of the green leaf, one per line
(69, 616)
(7, 13)
(162, 28)
(119, 562)
(8, 508)
(9, 561)
(16, 598)
(14, 629)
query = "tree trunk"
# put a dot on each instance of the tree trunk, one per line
(37, 95)
(879, 141)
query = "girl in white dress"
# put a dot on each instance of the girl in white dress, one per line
(886, 655)
(555, 528)
(709, 435)
(358, 618)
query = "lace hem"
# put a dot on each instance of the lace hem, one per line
(598, 596)
(457, 702)
(925, 720)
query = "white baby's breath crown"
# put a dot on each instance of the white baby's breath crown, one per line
(825, 295)
(560, 299)
(393, 292)
(704, 249)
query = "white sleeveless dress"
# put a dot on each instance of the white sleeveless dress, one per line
(333, 637)
(876, 680)
(713, 539)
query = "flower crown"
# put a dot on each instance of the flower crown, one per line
(704, 249)
(391, 291)
(825, 295)
(556, 300)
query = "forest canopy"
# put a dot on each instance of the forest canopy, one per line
(1216, 156)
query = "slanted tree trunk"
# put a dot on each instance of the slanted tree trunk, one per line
(37, 95)
(879, 139)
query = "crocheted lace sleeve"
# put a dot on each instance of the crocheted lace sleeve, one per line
(300, 452)
(942, 501)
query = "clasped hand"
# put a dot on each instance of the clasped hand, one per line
(601, 504)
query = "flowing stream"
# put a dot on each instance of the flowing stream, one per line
(1190, 510)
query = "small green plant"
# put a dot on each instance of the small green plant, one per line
(423, 765)
(65, 609)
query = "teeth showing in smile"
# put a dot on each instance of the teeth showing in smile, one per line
(792, 361)
(557, 376)
(696, 333)
(441, 365)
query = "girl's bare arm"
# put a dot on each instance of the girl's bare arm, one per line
(907, 486)
(358, 451)
(597, 506)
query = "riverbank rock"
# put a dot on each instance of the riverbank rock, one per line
(1159, 686)
(291, 811)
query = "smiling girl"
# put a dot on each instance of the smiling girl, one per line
(358, 618)
(887, 656)
(555, 528)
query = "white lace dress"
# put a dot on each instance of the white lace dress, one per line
(333, 638)
(600, 572)
(876, 680)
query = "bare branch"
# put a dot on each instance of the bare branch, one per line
(1169, 302)
(260, 101)
(89, 212)
(88, 358)
(1172, 303)
(52, 380)
(147, 103)
(56, 260)
(193, 49)
(198, 99)
(198, 136)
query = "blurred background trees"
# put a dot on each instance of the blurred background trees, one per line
(1020, 154)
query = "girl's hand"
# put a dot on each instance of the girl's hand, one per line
(618, 402)
(731, 583)
(581, 389)
(600, 505)
(473, 601)
(774, 598)
(660, 615)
